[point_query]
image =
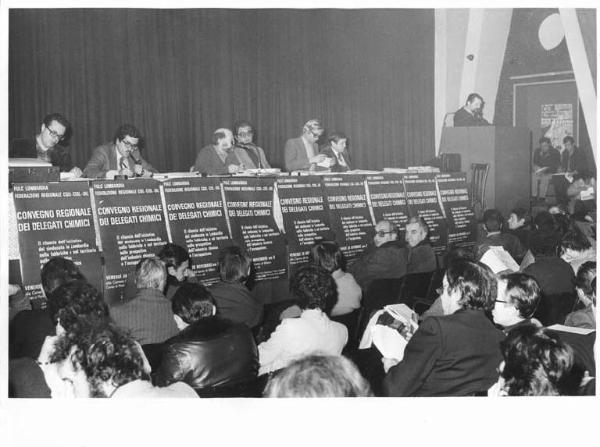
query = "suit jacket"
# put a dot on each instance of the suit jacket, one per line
(148, 316)
(104, 159)
(453, 355)
(295, 155)
(336, 167)
(26, 148)
(386, 261)
(462, 118)
(209, 162)
(256, 155)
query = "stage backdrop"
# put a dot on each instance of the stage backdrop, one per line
(180, 74)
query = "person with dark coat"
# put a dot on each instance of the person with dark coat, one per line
(209, 352)
(471, 114)
(546, 161)
(337, 151)
(456, 354)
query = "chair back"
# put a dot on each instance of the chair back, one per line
(449, 119)
(479, 174)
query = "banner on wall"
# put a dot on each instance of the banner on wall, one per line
(557, 123)
(249, 203)
(197, 222)
(55, 219)
(131, 225)
(388, 198)
(460, 217)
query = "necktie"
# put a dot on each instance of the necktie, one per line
(123, 163)
(340, 159)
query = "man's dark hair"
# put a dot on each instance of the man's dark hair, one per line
(545, 140)
(574, 239)
(192, 302)
(336, 137)
(473, 96)
(74, 301)
(475, 282)
(314, 288)
(522, 213)
(234, 264)
(327, 254)
(536, 362)
(586, 274)
(105, 353)
(523, 292)
(492, 219)
(568, 138)
(173, 255)
(127, 129)
(454, 253)
(58, 271)
(238, 124)
(544, 221)
(544, 243)
(59, 119)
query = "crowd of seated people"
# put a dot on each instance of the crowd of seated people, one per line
(481, 330)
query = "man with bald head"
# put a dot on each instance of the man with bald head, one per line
(386, 259)
(222, 157)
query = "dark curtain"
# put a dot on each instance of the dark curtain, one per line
(179, 74)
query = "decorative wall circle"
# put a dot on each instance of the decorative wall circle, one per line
(551, 32)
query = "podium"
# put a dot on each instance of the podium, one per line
(508, 152)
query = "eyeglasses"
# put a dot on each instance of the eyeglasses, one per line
(55, 134)
(500, 301)
(382, 233)
(246, 134)
(129, 145)
(317, 135)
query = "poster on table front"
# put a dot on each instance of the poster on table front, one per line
(197, 222)
(55, 219)
(457, 206)
(305, 217)
(422, 200)
(349, 213)
(249, 202)
(131, 225)
(388, 199)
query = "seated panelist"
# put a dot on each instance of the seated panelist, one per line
(244, 133)
(337, 151)
(221, 156)
(119, 157)
(302, 153)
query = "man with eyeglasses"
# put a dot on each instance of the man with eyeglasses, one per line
(45, 145)
(302, 153)
(243, 140)
(386, 259)
(119, 157)
(518, 298)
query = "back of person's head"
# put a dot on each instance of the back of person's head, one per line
(575, 240)
(150, 273)
(586, 275)
(76, 301)
(522, 213)
(193, 302)
(544, 243)
(106, 354)
(492, 219)
(544, 221)
(546, 140)
(455, 253)
(327, 254)
(563, 224)
(474, 281)
(536, 363)
(318, 376)
(568, 139)
(173, 255)
(234, 264)
(314, 288)
(523, 292)
(58, 271)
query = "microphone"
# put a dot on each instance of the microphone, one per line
(136, 159)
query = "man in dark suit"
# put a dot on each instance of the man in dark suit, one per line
(471, 114)
(456, 354)
(119, 157)
(302, 153)
(45, 145)
(337, 151)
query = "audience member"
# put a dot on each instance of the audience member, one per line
(313, 331)
(585, 285)
(54, 129)
(471, 114)
(519, 224)
(232, 298)
(221, 156)
(536, 363)
(421, 257)
(518, 298)
(318, 376)
(178, 263)
(244, 132)
(456, 354)
(572, 159)
(492, 223)
(302, 153)
(121, 156)
(209, 352)
(337, 151)
(582, 192)
(327, 254)
(546, 161)
(386, 259)
(148, 315)
(100, 360)
(29, 328)
(576, 249)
